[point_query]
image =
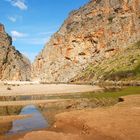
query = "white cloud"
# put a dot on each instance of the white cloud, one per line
(16, 34)
(14, 18)
(19, 4)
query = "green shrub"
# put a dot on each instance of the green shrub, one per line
(137, 70)
(110, 19)
(5, 60)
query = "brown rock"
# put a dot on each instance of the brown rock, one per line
(99, 30)
(13, 65)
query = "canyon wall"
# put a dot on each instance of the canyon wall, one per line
(94, 33)
(13, 64)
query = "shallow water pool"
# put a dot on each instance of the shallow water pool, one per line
(36, 121)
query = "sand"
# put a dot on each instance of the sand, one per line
(29, 102)
(4, 119)
(119, 122)
(45, 89)
(22, 89)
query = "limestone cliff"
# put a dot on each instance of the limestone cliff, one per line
(94, 33)
(13, 65)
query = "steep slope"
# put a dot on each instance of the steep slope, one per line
(96, 32)
(123, 66)
(13, 65)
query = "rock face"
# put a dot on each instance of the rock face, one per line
(123, 66)
(13, 65)
(95, 32)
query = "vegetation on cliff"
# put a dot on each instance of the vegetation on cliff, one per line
(124, 66)
(95, 40)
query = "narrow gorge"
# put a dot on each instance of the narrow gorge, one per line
(99, 41)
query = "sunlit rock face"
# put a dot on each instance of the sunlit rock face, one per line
(93, 33)
(13, 65)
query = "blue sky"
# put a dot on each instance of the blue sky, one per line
(32, 22)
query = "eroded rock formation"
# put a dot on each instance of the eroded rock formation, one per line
(91, 34)
(13, 65)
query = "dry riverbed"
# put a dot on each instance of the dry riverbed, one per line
(44, 89)
(91, 116)
(119, 122)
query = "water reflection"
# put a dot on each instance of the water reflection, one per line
(5, 127)
(35, 122)
(10, 110)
